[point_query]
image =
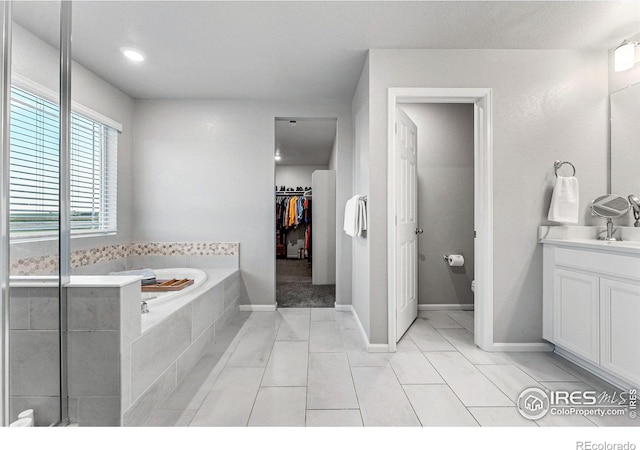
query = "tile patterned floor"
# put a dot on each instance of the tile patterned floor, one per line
(309, 367)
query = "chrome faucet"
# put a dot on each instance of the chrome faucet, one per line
(635, 205)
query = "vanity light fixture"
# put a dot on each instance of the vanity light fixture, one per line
(624, 56)
(132, 54)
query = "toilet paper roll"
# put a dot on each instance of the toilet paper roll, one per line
(456, 260)
(26, 422)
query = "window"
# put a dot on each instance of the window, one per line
(34, 170)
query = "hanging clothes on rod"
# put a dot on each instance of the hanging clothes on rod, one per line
(292, 212)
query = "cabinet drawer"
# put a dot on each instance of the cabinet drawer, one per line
(615, 264)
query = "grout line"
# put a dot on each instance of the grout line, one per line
(353, 383)
(264, 368)
(458, 322)
(241, 333)
(405, 394)
(306, 396)
(454, 392)
(491, 381)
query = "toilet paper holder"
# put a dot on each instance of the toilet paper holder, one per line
(454, 260)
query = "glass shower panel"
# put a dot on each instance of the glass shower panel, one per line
(97, 135)
(34, 233)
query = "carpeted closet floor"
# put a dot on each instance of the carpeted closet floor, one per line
(294, 288)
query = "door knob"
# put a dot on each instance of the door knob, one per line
(419, 231)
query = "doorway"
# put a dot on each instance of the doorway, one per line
(305, 192)
(404, 228)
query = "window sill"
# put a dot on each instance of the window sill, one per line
(45, 238)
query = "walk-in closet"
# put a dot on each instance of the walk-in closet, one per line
(305, 212)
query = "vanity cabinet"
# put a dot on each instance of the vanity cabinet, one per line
(575, 313)
(591, 307)
(620, 328)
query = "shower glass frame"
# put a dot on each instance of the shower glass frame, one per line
(64, 237)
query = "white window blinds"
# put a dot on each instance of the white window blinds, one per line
(34, 177)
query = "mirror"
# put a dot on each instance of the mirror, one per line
(610, 207)
(625, 142)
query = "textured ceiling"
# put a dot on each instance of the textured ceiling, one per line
(304, 50)
(308, 142)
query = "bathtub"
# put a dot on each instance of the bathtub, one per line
(157, 298)
(158, 349)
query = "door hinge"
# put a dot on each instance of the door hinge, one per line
(475, 235)
(396, 128)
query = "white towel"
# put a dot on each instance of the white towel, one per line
(355, 216)
(565, 201)
(350, 213)
(362, 216)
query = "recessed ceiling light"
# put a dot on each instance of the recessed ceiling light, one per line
(132, 54)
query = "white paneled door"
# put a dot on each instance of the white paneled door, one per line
(406, 223)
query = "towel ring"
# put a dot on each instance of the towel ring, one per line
(558, 164)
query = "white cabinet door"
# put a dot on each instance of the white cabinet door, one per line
(620, 329)
(575, 313)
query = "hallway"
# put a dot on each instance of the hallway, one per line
(309, 367)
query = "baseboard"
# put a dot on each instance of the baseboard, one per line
(371, 348)
(257, 308)
(378, 348)
(446, 307)
(522, 347)
(596, 370)
(363, 334)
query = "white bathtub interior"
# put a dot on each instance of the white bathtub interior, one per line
(156, 298)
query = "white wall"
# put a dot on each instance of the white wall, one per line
(204, 170)
(548, 105)
(294, 176)
(342, 162)
(39, 62)
(333, 159)
(323, 227)
(445, 200)
(361, 259)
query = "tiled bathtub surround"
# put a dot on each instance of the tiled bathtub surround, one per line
(125, 254)
(184, 248)
(157, 360)
(40, 265)
(34, 352)
(96, 316)
(121, 364)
